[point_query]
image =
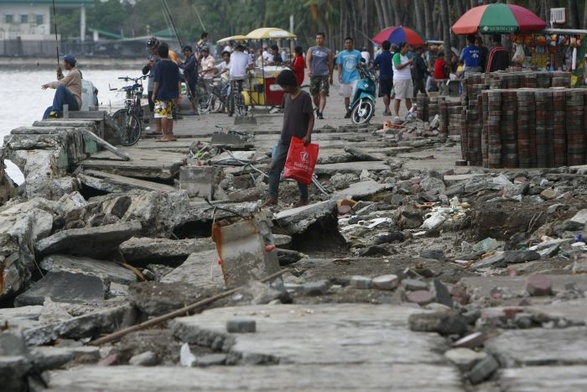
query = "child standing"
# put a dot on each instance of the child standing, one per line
(298, 121)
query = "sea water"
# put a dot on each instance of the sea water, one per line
(24, 102)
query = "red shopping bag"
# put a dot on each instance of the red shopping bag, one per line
(301, 161)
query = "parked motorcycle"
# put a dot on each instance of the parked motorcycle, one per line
(362, 106)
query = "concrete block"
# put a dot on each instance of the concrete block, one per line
(316, 288)
(211, 360)
(539, 285)
(420, 297)
(198, 180)
(386, 282)
(465, 358)
(414, 284)
(241, 326)
(483, 370)
(148, 358)
(360, 282)
(64, 287)
(245, 250)
(231, 140)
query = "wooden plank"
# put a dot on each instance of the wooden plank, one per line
(143, 163)
(115, 183)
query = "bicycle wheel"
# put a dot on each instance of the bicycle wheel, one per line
(230, 104)
(203, 103)
(215, 105)
(129, 127)
(240, 106)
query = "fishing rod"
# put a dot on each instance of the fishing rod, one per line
(170, 18)
(55, 28)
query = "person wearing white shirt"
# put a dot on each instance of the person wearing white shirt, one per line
(240, 63)
(207, 68)
(223, 67)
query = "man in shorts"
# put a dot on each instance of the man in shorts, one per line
(348, 75)
(166, 88)
(320, 63)
(402, 79)
(383, 63)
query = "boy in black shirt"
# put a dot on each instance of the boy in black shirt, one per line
(298, 121)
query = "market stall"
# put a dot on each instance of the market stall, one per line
(555, 50)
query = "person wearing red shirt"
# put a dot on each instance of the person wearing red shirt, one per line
(298, 64)
(441, 72)
(440, 68)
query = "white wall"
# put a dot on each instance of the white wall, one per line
(28, 30)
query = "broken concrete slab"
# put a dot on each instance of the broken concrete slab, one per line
(566, 378)
(144, 163)
(114, 183)
(314, 334)
(21, 226)
(201, 269)
(198, 181)
(93, 241)
(538, 346)
(89, 325)
(356, 167)
(145, 250)
(201, 211)
(24, 317)
(330, 377)
(362, 189)
(157, 298)
(479, 286)
(160, 213)
(63, 286)
(230, 140)
(245, 249)
(361, 155)
(297, 220)
(112, 272)
(233, 158)
(13, 371)
(47, 357)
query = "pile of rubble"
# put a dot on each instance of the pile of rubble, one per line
(445, 246)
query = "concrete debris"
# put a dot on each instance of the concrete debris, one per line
(63, 286)
(480, 274)
(241, 326)
(483, 370)
(148, 358)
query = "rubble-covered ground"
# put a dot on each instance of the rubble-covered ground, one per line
(402, 272)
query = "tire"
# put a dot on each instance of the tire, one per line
(240, 107)
(362, 111)
(230, 104)
(215, 105)
(202, 104)
(129, 127)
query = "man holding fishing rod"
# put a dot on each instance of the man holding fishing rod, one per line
(68, 89)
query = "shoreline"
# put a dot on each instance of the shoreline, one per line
(34, 63)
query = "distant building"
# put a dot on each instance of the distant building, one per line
(26, 25)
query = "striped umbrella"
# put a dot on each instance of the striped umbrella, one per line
(398, 34)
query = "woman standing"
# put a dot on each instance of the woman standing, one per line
(298, 64)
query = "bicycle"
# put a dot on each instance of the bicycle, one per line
(129, 120)
(210, 101)
(235, 100)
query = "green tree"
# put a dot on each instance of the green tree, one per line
(109, 15)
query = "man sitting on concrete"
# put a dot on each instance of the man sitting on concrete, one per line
(68, 89)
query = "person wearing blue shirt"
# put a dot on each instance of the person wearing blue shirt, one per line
(348, 75)
(472, 56)
(166, 88)
(383, 62)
